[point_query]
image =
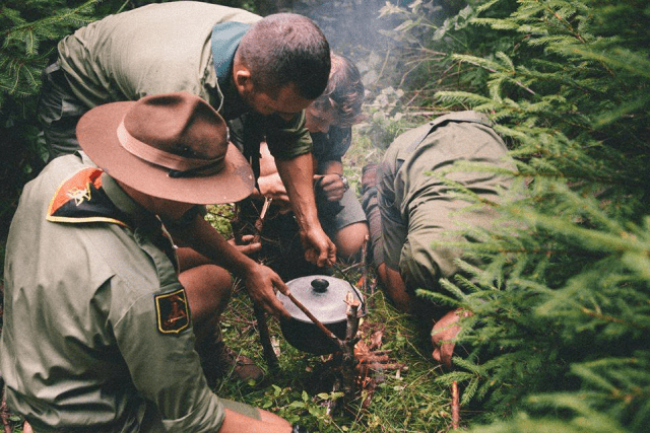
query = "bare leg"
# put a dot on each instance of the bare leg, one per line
(395, 287)
(209, 288)
(350, 239)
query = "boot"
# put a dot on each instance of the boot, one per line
(242, 367)
(218, 361)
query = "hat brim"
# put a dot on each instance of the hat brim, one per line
(97, 135)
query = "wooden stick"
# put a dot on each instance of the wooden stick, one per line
(265, 337)
(455, 406)
(260, 315)
(352, 317)
(349, 371)
(364, 260)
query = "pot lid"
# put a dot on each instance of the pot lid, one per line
(322, 295)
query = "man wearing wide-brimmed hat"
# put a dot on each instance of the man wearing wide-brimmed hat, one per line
(271, 68)
(102, 324)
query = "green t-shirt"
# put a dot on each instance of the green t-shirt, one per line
(169, 47)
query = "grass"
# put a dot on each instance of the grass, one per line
(406, 401)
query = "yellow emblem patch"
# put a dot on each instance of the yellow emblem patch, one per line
(172, 312)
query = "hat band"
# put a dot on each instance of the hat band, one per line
(179, 164)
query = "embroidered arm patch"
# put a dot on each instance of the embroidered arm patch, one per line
(172, 312)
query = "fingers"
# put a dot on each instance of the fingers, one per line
(267, 299)
(250, 248)
(261, 288)
(280, 286)
(443, 354)
(275, 308)
(332, 254)
(323, 258)
(247, 239)
(327, 256)
(442, 335)
(311, 256)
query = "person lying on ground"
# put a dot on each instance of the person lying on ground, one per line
(409, 209)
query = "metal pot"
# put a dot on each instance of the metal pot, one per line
(324, 297)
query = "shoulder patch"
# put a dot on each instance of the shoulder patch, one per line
(81, 199)
(172, 312)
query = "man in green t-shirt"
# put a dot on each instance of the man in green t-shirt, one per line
(271, 67)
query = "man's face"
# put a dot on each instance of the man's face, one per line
(287, 104)
(319, 119)
(169, 209)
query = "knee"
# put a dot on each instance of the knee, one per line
(218, 281)
(350, 240)
(208, 287)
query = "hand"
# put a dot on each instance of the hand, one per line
(442, 335)
(319, 249)
(247, 246)
(261, 282)
(332, 185)
(271, 186)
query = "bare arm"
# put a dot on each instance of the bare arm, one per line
(332, 182)
(259, 280)
(235, 422)
(297, 175)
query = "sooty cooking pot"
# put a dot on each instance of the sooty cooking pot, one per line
(324, 297)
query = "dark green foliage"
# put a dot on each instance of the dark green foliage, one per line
(562, 303)
(29, 31)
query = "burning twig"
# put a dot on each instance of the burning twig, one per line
(265, 337)
(364, 273)
(351, 339)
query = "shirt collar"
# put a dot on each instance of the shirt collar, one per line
(225, 40)
(137, 214)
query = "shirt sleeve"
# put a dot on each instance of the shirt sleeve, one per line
(286, 140)
(156, 340)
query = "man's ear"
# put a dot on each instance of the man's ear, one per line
(243, 81)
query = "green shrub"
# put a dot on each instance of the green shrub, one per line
(561, 306)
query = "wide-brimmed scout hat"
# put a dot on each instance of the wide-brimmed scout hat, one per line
(173, 146)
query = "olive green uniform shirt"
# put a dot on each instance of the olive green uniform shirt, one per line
(169, 47)
(416, 208)
(87, 345)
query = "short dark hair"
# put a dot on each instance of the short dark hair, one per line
(344, 91)
(286, 48)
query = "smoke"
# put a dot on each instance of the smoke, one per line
(354, 29)
(350, 25)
